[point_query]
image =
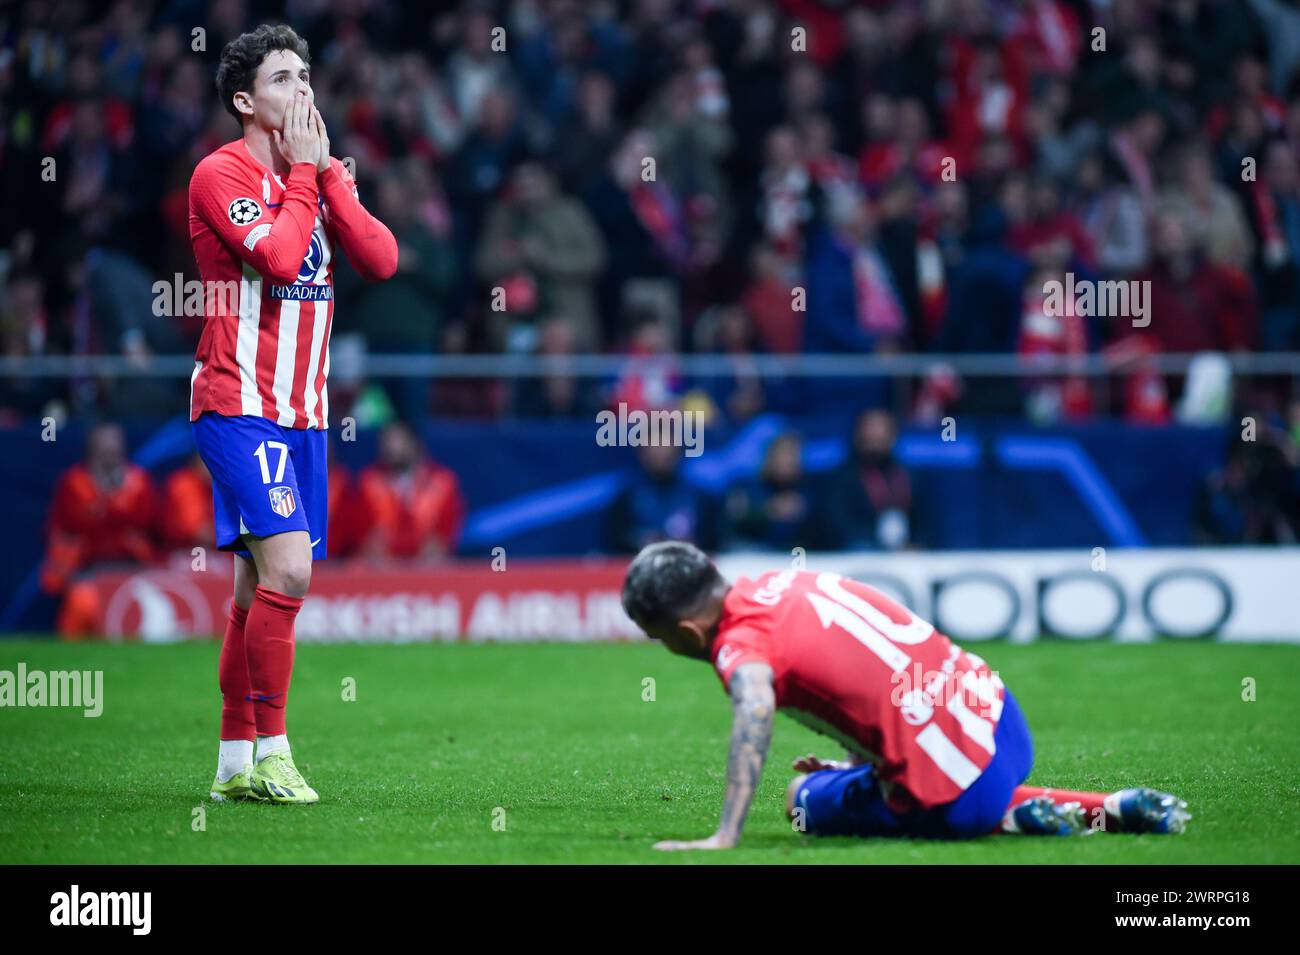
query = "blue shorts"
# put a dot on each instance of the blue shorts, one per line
(850, 802)
(266, 479)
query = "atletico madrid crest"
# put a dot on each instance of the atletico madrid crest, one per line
(282, 500)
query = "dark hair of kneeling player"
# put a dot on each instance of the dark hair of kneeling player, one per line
(668, 582)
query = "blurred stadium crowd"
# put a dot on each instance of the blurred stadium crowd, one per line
(780, 163)
(916, 170)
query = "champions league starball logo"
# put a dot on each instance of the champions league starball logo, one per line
(244, 211)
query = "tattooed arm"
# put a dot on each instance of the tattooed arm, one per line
(753, 706)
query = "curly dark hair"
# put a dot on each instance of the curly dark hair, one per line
(241, 57)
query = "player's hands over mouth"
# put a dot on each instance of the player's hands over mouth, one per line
(299, 140)
(715, 841)
(318, 122)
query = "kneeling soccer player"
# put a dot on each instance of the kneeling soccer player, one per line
(944, 759)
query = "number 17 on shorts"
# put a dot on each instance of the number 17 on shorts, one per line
(266, 479)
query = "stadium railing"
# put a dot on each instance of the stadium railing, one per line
(901, 374)
(697, 365)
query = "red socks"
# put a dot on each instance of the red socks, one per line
(1092, 803)
(237, 721)
(268, 644)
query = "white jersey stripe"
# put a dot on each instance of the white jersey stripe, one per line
(198, 367)
(951, 761)
(325, 390)
(321, 314)
(286, 361)
(981, 731)
(985, 686)
(250, 317)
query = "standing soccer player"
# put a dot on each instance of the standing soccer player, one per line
(267, 212)
(937, 745)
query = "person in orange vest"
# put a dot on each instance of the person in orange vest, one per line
(186, 517)
(103, 512)
(415, 504)
(349, 513)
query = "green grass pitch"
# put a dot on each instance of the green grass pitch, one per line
(559, 737)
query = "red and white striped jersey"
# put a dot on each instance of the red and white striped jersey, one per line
(265, 250)
(854, 665)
